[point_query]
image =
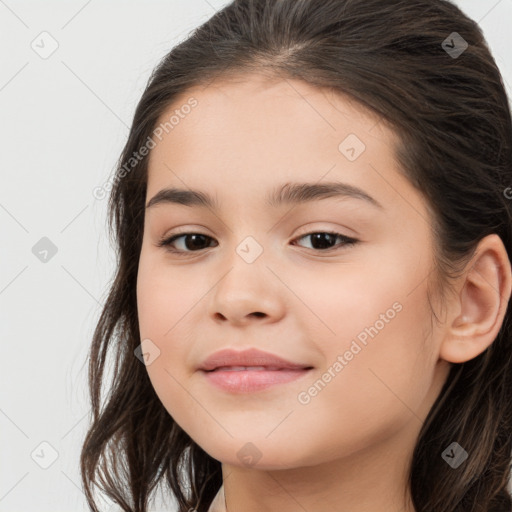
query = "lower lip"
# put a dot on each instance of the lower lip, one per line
(249, 381)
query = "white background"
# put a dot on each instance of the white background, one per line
(64, 121)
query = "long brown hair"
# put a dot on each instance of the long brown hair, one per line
(402, 60)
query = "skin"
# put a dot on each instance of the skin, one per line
(348, 448)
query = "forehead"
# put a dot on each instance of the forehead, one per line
(254, 104)
(257, 104)
(250, 133)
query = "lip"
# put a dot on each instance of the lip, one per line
(249, 357)
(251, 381)
(219, 370)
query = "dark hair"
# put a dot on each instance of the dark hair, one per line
(452, 117)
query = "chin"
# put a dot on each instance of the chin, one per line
(260, 455)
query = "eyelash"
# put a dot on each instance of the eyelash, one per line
(166, 242)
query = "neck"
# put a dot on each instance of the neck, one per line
(371, 479)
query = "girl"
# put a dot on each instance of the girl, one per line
(310, 312)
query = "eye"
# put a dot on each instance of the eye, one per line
(322, 240)
(194, 242)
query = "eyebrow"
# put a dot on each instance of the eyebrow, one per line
(289, 193)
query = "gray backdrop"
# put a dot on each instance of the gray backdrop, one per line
(71, 74)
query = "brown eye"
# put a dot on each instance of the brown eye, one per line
(322, 241)
(192, 242)
(326, 240)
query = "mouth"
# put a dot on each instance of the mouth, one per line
(251, 379)
(250, 370)
(256, 368)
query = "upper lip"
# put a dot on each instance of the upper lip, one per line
(250, 357)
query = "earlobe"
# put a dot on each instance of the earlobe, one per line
(482, 303)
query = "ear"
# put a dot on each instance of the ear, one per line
(480, 308)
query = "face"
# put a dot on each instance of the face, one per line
(336, 282)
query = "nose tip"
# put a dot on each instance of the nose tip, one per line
(245, 296)
(257, 314)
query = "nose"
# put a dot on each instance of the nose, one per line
(247, 293)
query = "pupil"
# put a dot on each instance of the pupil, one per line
(194, 245)
(319, 236)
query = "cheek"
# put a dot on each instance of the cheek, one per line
(375, 387)
(374, 337)
(165, 296)
(166, 299)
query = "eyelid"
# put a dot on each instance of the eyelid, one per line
(167, 240)
(188, 230)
